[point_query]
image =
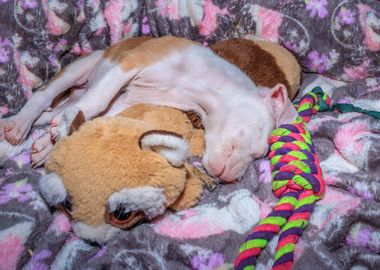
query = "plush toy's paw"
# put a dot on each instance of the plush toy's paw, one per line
(52, 189)
(149, 200)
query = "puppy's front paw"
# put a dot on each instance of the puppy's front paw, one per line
(14, 129)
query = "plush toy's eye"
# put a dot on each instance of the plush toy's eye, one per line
(66, 207)
(120, 214)
(123, 218)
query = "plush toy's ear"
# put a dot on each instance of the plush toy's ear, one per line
(168, 144)
(284, 111)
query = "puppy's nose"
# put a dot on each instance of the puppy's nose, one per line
(215, 168)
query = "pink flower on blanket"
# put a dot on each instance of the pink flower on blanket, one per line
(186, 226)
(334, 203)
(55, 25)
(317, 8)
(11, 247)
(352, 142)
(209, 22)
(168, 9)
(357, 72)
(113, 15)
(61, 223)
(83, 49)
(239, 213)
(268, 22)
(19, 190)
(370, 19)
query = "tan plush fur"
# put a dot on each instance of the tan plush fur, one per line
(103, 157)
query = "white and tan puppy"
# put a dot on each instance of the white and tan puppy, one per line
(237, 115)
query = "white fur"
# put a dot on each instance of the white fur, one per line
(104, 87)
(99, 234)
(174, 149)
(150, 200)
(52, 189)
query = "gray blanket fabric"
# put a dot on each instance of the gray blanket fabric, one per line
(339, 39)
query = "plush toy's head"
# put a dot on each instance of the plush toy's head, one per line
(115, 172)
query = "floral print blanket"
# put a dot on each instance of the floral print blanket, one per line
(337, 39)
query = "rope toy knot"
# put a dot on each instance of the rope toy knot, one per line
(297, 182)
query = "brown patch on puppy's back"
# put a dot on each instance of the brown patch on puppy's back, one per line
(146, 52)
(124, 45)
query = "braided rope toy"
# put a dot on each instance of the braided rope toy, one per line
(297, 182)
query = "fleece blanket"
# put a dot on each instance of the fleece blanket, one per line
(339, 39)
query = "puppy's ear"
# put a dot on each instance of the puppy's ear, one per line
(283, 109)
(168, 144)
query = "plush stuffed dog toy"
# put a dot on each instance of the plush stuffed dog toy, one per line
(115, 172)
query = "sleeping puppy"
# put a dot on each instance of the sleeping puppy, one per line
(238, 116)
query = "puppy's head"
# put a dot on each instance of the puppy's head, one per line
(240, 132)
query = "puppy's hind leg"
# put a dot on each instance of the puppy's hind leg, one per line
(100, 93)
(16, 128)
(41, 149)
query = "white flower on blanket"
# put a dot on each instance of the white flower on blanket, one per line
(333, 204)
(353, 141)
(239, 215)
